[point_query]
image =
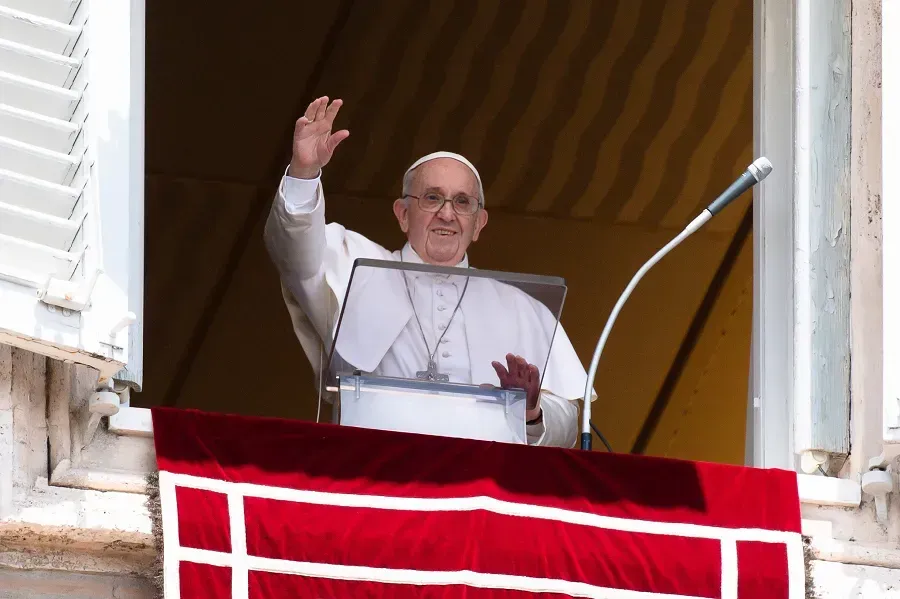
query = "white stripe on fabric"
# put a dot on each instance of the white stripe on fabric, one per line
(796, 568)
(489, 504)
(423, 577)
(240, 583)
(729, 569)
(171, 541)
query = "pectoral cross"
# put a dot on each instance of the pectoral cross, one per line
(432, 374)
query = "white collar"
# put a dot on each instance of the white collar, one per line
(408, 254)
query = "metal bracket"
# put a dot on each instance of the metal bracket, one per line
(896, 424)
(100, 404)
(126, 321)
(811, 461)
(878, 482)
(69, 295)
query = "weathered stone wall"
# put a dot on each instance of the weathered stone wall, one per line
(56, 584)
(57, 541)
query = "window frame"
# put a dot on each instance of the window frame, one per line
(770, 401)
(784, 400)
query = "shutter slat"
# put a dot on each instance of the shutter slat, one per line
(37, 227)
(35, 129)
(58, 10)
(35, 194)
(36, 31)
(49, 100)
(35, 262)
(27, 159)
(27, 61)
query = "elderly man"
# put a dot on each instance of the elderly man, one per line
(442, 212)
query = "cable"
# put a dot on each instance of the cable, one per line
(321, 380)
(602, 438)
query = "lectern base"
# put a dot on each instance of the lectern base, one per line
(444, 409)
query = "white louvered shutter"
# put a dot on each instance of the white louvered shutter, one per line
(71, 180)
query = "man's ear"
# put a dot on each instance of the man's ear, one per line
(401, 211)
(481, 219)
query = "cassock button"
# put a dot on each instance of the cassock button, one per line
(445, 341)
(441, 308)
(446, 354)
(440, 293)
(442, 326)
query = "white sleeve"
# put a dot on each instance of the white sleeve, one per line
(300, 195)
(559, 423)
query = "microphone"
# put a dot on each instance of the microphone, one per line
(756, 172)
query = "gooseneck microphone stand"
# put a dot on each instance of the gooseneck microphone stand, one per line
(756, 172)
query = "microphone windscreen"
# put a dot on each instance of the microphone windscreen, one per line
(763, 167)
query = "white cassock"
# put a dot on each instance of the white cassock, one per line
(315, 261)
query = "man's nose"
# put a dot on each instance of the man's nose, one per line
(446, 212)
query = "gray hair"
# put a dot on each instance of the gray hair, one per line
(407, 183)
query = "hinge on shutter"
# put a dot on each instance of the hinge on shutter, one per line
(68, 294)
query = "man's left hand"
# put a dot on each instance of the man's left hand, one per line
(519, 374)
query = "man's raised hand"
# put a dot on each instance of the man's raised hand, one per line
(314, 143)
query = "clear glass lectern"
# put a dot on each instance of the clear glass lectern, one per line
(415, 346)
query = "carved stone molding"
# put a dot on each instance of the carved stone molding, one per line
(83, 452)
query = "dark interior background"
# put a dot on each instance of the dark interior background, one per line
(600, 129)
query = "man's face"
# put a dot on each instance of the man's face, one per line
(440, 238)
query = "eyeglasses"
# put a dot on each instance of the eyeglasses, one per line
(433, 202)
